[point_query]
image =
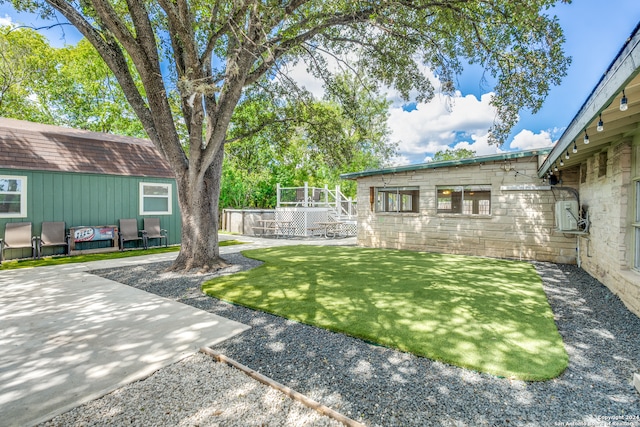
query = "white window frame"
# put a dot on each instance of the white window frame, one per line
(23, 197)
(168, 197)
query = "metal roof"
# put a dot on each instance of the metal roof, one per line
(448, 163)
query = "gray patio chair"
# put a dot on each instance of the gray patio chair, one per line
(129, 233)
(17, 235)
(53, 234)
(153, 230)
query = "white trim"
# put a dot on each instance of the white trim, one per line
(23, 197)
(168, 197)
(525, 187)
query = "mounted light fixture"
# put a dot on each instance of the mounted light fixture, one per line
(555, 167)
(600, 126)
(566, 156)
(575, 147)
(623, 102)
(561, 162)
(586, 137)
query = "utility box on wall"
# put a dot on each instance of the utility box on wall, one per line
(567, 215)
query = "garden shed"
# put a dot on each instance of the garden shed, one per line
(51, 173)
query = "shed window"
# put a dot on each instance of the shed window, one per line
(397, 199)
(464, 199)
(155, 199)
(13, 196)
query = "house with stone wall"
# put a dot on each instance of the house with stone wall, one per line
(601, 147)
(494, 206)
(578, 202)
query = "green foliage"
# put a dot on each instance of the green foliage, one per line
(86, 94)
(453, 154)
(70, 86)
(26, 65)
(518, 43)
(310, 141)
(221, 54)
(484, 314)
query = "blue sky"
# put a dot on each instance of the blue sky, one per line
(595, 30)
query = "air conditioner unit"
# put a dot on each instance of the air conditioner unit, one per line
(567, 215)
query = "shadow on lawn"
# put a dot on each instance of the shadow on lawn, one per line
(484, 314)
(380, 386)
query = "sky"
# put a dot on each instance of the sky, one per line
(595, 31)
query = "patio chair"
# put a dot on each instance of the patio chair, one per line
(17, 235)
(129, 233)
(153, 230)
(53, 234)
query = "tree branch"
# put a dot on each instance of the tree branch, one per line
(278, 49)
(113, 56)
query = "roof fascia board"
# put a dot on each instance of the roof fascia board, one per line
(448, 163)
(623, 70)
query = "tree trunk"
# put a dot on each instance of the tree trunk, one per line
(199, 198)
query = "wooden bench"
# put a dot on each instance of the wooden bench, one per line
(84, 234)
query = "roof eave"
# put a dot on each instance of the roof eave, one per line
(624, 68)
(448, 163)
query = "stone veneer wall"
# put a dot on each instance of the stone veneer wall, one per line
(520, 226)
(607, 252)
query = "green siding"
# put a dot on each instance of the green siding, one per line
(86, 199)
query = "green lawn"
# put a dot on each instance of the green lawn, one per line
(57, 260)
(484, 314)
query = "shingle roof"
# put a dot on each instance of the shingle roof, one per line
(34, 146)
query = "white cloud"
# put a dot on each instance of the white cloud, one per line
(480, 144)
(401, 160)
(527, 140)
(300, 75)
(304, 78)
(6, 21)
(455, 121)
(441, 123)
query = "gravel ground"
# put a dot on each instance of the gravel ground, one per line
(383, 387)
(196, 391)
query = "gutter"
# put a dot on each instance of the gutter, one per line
(448, 163)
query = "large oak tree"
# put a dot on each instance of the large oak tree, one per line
(215, 52)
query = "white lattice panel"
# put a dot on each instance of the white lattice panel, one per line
(302, 218)
(350, 228)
